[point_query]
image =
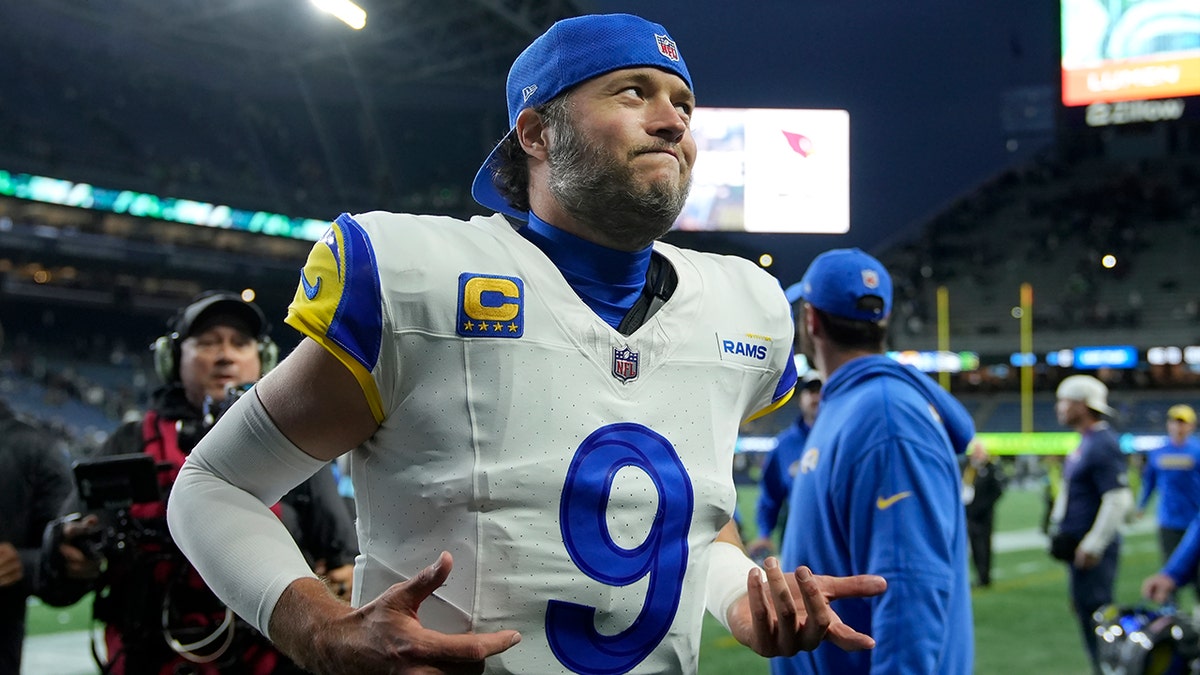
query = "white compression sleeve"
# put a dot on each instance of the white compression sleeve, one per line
(728, 568)
(1115, 505)
(219, 514)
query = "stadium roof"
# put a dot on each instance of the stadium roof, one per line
(925, 81)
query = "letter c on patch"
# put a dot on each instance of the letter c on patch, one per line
(487, 299)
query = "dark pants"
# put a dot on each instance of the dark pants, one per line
(12, 637)
(1092, 589)
(1168, 540)
(979, 534)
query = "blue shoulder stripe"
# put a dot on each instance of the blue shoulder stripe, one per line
(357, 325)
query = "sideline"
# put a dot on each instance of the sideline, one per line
(1033, 538)
(67, 653)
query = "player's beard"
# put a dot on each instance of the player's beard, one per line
(600, 191)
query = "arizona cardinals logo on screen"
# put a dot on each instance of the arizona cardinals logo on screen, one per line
(800, 144)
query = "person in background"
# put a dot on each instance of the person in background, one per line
(1092, 504)
(1174, 471)
(878, 489)
(983, 484)
(779, 468)
(527, 397)
(159, 616)
(34, 480)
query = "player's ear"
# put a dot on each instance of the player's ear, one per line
(812, 322)
(533, 133)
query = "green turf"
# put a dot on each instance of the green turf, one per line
(45, 619)
(1023, 623)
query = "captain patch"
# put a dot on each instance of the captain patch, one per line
(744, 347)
(490, 306)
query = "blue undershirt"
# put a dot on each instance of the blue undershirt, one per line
(607, 280)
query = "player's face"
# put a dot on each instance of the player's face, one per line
(1070, 413)
(1179, 430)
(622, 161)
(810, 400)
(219, 356)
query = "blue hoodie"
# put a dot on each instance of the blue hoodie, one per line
(777, 475)
(878, 492)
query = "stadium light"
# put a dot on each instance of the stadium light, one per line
(347, 12)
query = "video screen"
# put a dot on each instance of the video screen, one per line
(1129, 50)
(769, 170)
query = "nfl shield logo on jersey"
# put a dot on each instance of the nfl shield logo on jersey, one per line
(666, 46)
(625, 364)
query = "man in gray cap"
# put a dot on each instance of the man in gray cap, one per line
(534, 398)
(1092, 504)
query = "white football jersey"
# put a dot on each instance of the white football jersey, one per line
(577, 476)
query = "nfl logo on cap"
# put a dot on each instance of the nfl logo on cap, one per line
(870, 278)
(666, 46)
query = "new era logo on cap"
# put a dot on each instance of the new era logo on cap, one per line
(528, 91)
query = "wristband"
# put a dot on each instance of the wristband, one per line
(728, 568)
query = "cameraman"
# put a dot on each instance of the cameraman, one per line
(159, 615)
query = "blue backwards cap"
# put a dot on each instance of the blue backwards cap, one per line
(570, 52)
(838, 280)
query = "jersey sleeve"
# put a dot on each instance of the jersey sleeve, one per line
(1108, 470)
(903, 505)
(339, 304)
(770, 502)
(782, 356)
(1181, 567)
(1149, 480)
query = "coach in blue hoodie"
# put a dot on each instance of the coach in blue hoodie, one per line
(877, 490)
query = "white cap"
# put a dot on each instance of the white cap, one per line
(1087, 389)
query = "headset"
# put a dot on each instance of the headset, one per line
(166, 348)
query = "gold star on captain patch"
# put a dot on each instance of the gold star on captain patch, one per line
(468, 326)
(497, 326)
(512, 327)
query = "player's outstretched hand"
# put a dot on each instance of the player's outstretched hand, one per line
(1158, 588)
(791, 613)
(385, 636)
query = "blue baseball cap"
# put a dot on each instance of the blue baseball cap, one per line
(837, 282)
(793, 292)
(570, 52)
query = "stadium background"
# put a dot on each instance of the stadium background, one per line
(966, 175)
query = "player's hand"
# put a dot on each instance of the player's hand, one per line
(760, 548)
(385, 636)
(11, 569)
(1085, 560)
(1158, 588)
(76, 563)
(791, 613)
